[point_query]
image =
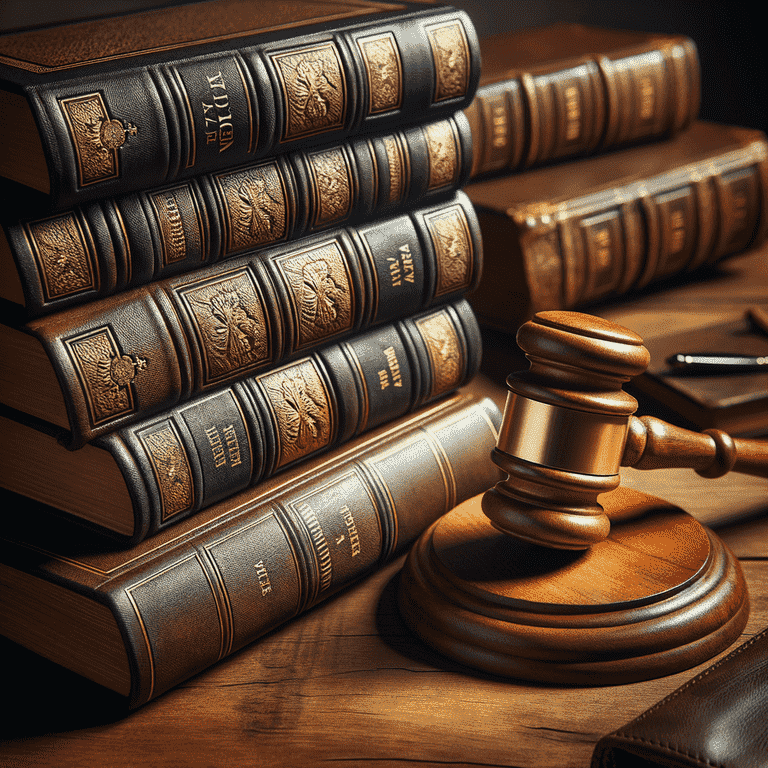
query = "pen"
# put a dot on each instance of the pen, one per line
(715, 362)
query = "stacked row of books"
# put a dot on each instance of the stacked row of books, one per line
(241, 290)
(235, 329)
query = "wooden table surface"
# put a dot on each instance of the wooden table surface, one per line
(346, 684)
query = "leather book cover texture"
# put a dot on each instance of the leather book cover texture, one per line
(570, 234)
(114, 244)
(568, 90)
(715, 719)
(140, 99)
(143, 619)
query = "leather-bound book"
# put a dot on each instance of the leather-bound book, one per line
(135, 100)
(143, 619)
(567, 90)
(50, 262)
(569, 234)
(142, 478)
(97, 367)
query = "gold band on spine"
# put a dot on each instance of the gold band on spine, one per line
(562, 438)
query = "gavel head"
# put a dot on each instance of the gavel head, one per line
(564, 429)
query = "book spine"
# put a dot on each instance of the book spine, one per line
(146, 350)
(112, 245)
(220, 443)
(278, 556)
(599, 103)
(144, 126)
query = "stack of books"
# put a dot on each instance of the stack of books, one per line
(593, 176)
(235, 332)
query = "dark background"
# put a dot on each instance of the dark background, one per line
(730, 36)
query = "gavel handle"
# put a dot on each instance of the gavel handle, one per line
(654, 444)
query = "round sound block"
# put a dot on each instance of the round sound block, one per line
(660, 595)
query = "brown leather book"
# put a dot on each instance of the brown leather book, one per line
(50, 262)
(140, 479)
(143, 619)
(568, 90)
(94, 368)
(569, 234)
(136, 100)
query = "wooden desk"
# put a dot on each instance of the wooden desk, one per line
(347, 684)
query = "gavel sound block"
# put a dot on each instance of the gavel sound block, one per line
(536, 579)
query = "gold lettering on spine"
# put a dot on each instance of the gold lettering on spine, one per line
(332, 179)
(397, 169)
(171, 222)
(443, 155)
(64, 261)
(392, 374)
(451, 239)
(171, 467)
(300, 404)
(264, 582)
(603, 251)
(321, 288)
(256, 206)
(229, 319)
(320, 544)
(96, 137)
(105, 374)
(385, 72)
(354, 536)
(572, 113)
(217, 114)
(647, 98)
(445, 352)
(314, 90)
(450, 53)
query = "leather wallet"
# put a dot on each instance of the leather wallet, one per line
(718, 719)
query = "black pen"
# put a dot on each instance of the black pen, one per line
(715, 362)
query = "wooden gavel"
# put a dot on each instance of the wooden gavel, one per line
(568, 426)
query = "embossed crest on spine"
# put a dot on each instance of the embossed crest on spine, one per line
(105, 373)
(320, 286)
(96, 137)
(332, 181)
(443, 154)
(256, 206)
(385, 72)
(171, 467)
(64, 261)
(398, 169)
(314, 90)
(231, 324)
(450, 53)
(178, 219)
(301, 408)
(454, 250)
(445, 352)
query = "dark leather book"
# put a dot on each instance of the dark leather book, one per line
(568, 90)
(136, 100)
(94, 368)
(50, 262)
(144, 477)
(569, 234)
(143, 619)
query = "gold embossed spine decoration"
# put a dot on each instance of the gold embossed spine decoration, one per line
(442, 144)
(333, 186)
(300, 407)
(65, 259)
(450, 54)
(255, 206)
(171, 468)
(96, 137)
(320, 292)
(384, 70)
(105, 374)
(230, 323)
(454, 249)
(314, 90)
(445, 350)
